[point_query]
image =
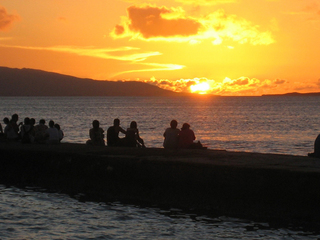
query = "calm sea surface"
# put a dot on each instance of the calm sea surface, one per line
(286, 125)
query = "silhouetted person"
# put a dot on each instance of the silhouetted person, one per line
(133, 138)
(61, 134)
(40, 131)
(96, 134)
(2, 137)
(186, 136)
(32, 124)
(25, 131)
(14, 123)
(316, 152)
(9, 133)
(113, 139)
(52, 134)
(171, 136)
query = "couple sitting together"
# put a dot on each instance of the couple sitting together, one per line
(131, 139)
(175, 138)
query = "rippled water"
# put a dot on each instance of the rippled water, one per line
(32, 214)
(287, 125)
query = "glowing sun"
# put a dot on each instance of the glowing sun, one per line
(201, 88)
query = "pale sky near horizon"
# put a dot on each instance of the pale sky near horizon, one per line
(225, 47)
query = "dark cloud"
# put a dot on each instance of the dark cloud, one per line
(168, 83)
(6, 20)
(190, 83)
(150, 22)
(279, 81)
(119, 30)
(241, 81)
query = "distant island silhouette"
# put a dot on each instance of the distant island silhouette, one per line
(294, 94)
(31, 82)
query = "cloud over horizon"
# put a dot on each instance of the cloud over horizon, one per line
(148, 22)
(242, 86)
(190, 2)
(6, 20)
(205, 2)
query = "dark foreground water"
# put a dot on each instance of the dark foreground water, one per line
(35, 214)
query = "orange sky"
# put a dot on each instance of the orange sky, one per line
(225, 47)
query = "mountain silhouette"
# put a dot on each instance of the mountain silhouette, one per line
(31, 82)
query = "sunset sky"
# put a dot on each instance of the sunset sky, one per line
(224, 47)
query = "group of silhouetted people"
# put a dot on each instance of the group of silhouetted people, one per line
(174, 138)
(28, 132)
(131, 139)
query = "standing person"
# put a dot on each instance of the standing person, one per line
(171, 136)
(96, 134)
(186, 137)
(40, 131)
(113, 139)
(133, 138)
(52, 134)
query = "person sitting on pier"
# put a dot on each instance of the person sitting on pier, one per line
(32, 124)
(1, 131)
(2, 137)
(61, 134)
(26, 130)
(133, 138)
(171, 136)
(52, 134)
(96, 135)
(9, 133)
(113, 139)
(15, 125)
(316, 152)
(39, 131)
(186, 136)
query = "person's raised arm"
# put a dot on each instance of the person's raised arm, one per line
(122, 130)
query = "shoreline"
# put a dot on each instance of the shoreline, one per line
(271, 187)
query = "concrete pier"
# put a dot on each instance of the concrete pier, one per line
(269, 187)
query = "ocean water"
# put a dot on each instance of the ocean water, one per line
(285, 125)
(35, 214)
